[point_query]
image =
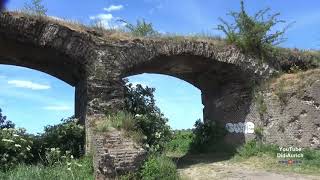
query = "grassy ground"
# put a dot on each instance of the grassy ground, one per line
(75, 170)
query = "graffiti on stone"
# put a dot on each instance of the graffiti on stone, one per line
(246, 127)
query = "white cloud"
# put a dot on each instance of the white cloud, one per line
(58, 108)
(28, 85)
(104, 19)
(113, 8)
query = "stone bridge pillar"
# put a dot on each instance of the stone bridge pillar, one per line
(113, 152)
(229, 103)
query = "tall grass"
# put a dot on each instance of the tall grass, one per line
(121, 121)
(75, 170)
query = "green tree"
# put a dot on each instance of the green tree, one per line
(4, 123)
(255, 35)
(36, 7)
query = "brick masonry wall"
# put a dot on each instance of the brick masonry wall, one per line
(116, 154)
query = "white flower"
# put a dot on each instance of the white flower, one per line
(79, 165)
(7, 140)
(158, 134)
(17, 145)
(138, 115)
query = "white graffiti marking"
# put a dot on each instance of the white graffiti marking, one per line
(246, 128)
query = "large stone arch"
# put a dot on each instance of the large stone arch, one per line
(95, 65)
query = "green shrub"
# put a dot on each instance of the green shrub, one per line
(159, 167)
(256, 148)
(148, 117)
(253, 34)
(67, 136)
(15, 148)
(180, 143)
(208, 137)
(35, 7)
(311, 157)
(141, 28)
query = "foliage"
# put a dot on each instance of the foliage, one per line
(255, 148)
(180, 143)
(35, 7)
(207, 137)
(262, 107)
(67, 136)
(159, 167)
(253, 34)
(311, 158)
(294, 60)
(15, 148)
(74, 170)
(149, 119)
(141, 28)
(4, 122)
(121, 121)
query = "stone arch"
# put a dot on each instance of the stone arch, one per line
(225, 88)
(48, 47)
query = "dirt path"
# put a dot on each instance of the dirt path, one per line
(234, 171)
(220, 170)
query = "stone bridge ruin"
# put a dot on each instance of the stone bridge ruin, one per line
(96, 65)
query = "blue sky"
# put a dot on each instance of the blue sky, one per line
(33, 99)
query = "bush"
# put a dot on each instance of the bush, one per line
(15, 148)
(208, 137)
(252, 34)
(141, 28)
(67, 136)
(256, 148)
(159, 167)
(148, 117)
(180, 142)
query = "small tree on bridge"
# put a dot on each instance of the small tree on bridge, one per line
(35, 7)
(253, 34)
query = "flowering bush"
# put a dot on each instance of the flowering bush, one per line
(149, 120)
(15, 147)
(67, 136)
